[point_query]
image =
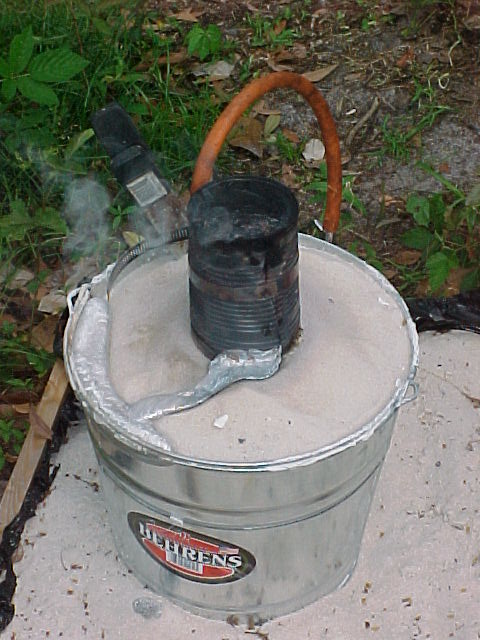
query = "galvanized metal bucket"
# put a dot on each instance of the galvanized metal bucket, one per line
(253, 540)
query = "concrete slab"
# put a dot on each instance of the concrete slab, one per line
(418, 575)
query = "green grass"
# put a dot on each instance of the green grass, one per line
(425, 109)
(59, 63)
(445, 231)
(46, 136)
(271, 33)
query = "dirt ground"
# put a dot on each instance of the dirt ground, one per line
(386, 53)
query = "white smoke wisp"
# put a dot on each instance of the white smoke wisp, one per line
(85, 210)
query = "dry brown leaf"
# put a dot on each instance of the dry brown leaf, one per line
(454, 281)
(407, 58)
(389, 200)
(291, 135)
(39, 426)
(53, 302)
(289, 178)
(8, 317)
(408, 257)
(6, 410)
(299, 51)
(320, 12)
(132, 238)
(320, 74)
(417, 140)
(444, 167)
(173, 58)
(19, 279)
(43, 334)
(422, 288)
(389, 273)
(283, 54)
(472, 22)
(23, 408)
(261, 109)
(188, 15)
(274, 66)
(248, 135)
(279, 27)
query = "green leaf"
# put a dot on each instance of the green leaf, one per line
(102, 26)
(49, 218)
(214, 35)
(4, 68)
(441, 178)
(271, 123)
(471, 216)
(15, 225)
(194, 38)
(417, 238)
(83, 7)
(438, 267)
(418, 206)
(78, 141)
(9, 89)
(437, 210)
(21, 49)
(19, 213)
(37, 91)
(204, 42)
(56, 65)
(33, 118)
(471, 280)
(473, 198)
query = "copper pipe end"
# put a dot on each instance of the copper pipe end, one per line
(233, 112)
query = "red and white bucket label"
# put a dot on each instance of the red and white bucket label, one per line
(189, 554)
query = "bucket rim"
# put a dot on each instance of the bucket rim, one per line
(163, 455)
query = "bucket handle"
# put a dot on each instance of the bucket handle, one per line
(411, 393)
(233, 112)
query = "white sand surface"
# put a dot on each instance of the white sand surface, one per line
(354, 350)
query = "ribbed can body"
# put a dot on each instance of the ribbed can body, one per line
(243, 259)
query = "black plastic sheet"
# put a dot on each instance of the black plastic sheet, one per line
(444, 314)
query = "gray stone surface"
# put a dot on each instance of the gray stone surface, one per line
(418, 574)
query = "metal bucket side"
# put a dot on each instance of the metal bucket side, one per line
(296, 522)
(303, 526)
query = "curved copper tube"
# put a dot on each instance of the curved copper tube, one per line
(232, 113)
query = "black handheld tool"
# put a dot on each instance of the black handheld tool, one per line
(133, 163)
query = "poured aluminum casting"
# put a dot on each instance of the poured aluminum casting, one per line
(88, 365)
(227, 368)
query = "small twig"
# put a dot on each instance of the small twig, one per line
(374, 106)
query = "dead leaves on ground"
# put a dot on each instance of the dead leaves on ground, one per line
(248, 135)
(188, 15)
(319, 74)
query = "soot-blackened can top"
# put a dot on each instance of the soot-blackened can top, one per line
(243, 259)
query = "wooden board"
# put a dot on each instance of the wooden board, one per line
(42, 420)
